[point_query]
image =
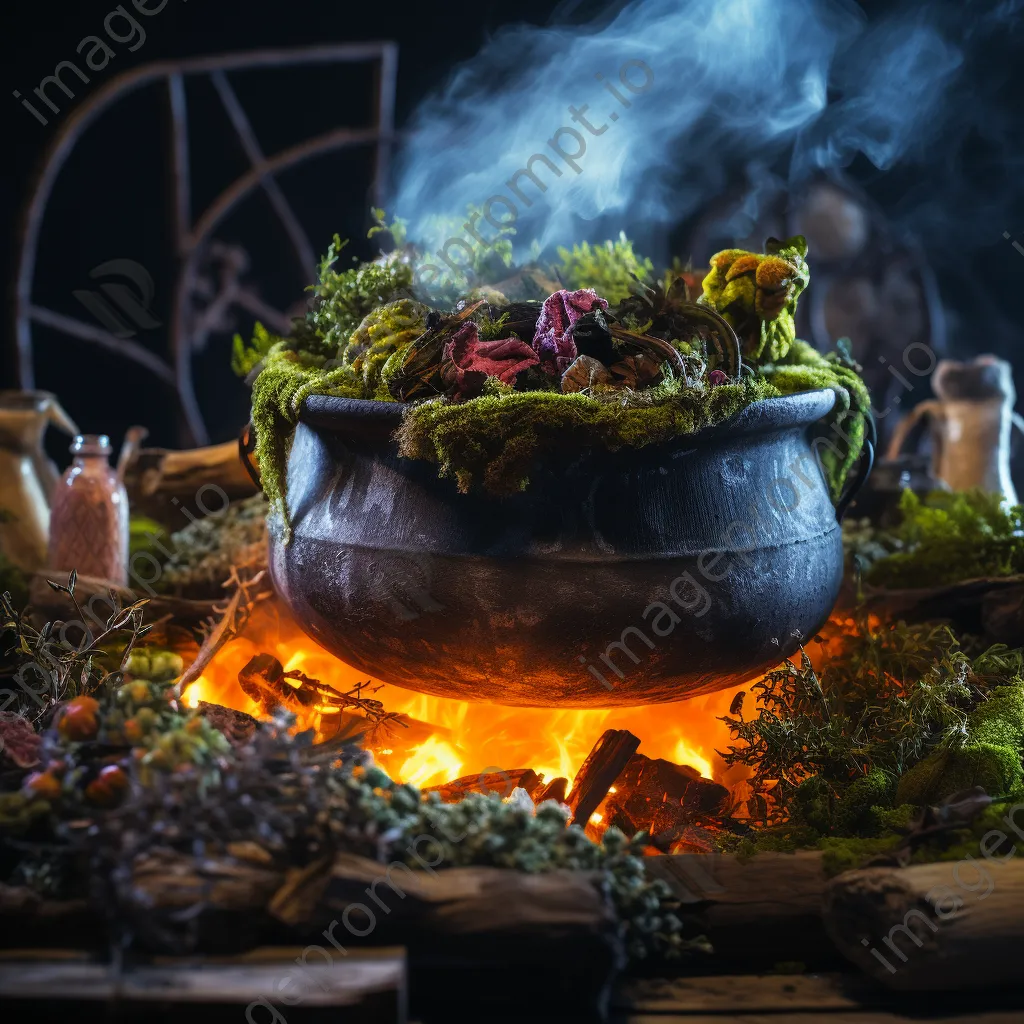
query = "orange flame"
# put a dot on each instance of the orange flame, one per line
(451, 738)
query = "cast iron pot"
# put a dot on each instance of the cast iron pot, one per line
(613, 580)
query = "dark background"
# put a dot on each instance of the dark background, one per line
(111, 200)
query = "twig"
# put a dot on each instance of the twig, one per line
(233, 616)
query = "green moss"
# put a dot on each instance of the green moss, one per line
(849, 852)
(286, 380)
(609, 268)
(895, 819)
(996, 768)
(384, 332)
(856, 814)
(494, 441)
(1000, 719)
(952, 536)
(786, 838)
(814, 802)
(840, 439)
(344, 298)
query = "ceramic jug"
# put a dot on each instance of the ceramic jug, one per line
(27, 476)
(970, 424)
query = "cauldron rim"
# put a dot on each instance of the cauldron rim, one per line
(370, 419)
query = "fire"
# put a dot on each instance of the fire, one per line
(685, 754)
(431, 762)
(448, 739)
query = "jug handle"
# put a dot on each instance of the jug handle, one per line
(45, 470)
(907, 424)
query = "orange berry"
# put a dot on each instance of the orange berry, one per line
(133, 731)
(78, 719)
(113, 775)
(44, 784)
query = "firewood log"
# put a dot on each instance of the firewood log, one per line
(946, 926)
(656, 796)
(599, 771)
(756, 912)
(160, 482)
(502, 783)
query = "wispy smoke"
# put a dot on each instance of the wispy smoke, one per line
(792, 85)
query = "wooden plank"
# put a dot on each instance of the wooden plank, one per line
(369, 983)
(843, 1017)
(734, 993)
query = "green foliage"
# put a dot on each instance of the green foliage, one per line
(952, 536)
(344, 298)
(609, 268)
(882, 702)
(397, 228)
(245, 358)
(61, 664)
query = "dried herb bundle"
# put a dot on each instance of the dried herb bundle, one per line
(884, 699)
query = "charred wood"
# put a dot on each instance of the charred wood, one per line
(599, 771)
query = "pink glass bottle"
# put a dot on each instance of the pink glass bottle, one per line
(89, 515)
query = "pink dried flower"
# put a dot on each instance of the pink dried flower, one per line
(19, 742)
(467, 361)
(552, 340)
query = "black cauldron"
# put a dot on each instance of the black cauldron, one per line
(614, 579)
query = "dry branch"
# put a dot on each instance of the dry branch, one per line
(232, 616)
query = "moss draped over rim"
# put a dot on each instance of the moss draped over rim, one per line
(358, 336)
(492, 440)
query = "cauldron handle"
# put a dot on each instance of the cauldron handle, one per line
(246, 453)
(864, 466)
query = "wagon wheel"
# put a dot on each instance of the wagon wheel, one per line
(208, 274)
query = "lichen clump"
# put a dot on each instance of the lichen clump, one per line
(498, 382)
